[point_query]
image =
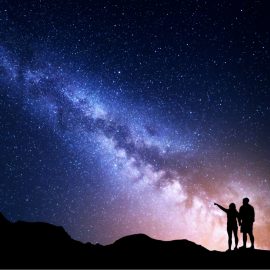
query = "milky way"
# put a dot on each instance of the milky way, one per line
(105, 159)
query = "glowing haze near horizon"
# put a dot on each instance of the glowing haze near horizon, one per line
(118, 120)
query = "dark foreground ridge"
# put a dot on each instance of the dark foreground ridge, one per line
(42, 245)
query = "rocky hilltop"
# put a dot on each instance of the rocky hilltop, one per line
(43, 245)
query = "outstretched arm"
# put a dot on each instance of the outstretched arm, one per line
(221, 207)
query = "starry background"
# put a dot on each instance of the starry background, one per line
(135, 117)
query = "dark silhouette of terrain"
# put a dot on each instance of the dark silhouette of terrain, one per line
(42, 245)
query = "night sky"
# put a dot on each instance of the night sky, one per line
(131, 117)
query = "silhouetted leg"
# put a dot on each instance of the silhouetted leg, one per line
(229, 231)
(244, 239)
(251, 237)
(235, 237)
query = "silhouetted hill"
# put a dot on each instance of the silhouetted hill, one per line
(42, 245)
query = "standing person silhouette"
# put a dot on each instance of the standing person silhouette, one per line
(247, 217)
(232, 227)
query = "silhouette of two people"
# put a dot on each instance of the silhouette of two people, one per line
(245, 218)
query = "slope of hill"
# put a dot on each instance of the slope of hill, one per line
(42, 245)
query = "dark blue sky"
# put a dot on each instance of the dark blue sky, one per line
(119, 117)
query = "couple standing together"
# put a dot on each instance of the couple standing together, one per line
(245, 218)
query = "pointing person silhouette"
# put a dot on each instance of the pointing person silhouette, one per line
(232, 227)
(247, 217)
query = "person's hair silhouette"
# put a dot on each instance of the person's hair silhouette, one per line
(232, 227)
(246, 218)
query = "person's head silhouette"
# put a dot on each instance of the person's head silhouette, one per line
(232, 206)
(245, 201)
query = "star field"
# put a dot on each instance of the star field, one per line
(135, 118)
